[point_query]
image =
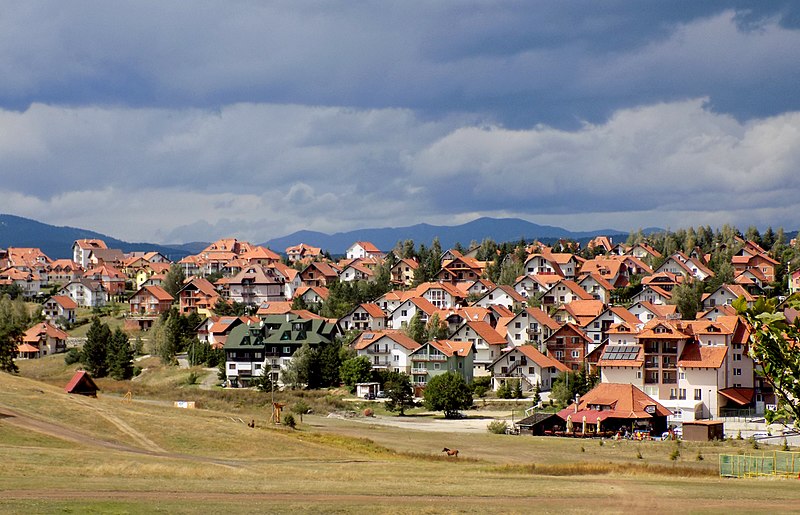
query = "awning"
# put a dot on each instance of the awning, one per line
(27, 348)
(741, 396)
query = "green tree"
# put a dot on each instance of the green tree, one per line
(120, 356)
(774, 350)
(94, 356)
(295, 373)
(416, 328)
(399, 392)
(436, 329)
(569, 384)
(355, 370)
(687, 297)
(449, 393)
(174, 279)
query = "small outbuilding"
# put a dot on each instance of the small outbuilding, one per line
(703, 430)
(82, 384)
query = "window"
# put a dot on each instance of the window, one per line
(437, 366)
(698, 394)
(287, 350)
(397, 357)
(531, 371)
(673, 394)
(737, 371)
(512, 358)
(682, 394)
(231, 366)
(737, 357)
(258, 366)
(559, 354)
(576, 354)
(403, 312)
(517, 325)
(597, 325)
(638, 374)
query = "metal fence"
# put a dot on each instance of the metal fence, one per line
(776, 463)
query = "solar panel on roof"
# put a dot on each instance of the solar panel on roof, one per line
(369, 336)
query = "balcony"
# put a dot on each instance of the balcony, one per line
(419, 371)
(431, 357)
(375, 350)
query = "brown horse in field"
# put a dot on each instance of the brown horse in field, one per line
(451, 452)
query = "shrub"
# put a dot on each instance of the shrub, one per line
(498, 427)
(700, 456)
(192, 378)
(639, 454)
(72, 356)
(289, 421)
(675, 454)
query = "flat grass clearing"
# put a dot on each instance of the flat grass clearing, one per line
(75, 455)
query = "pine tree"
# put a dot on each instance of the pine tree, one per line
(95, 351)
(416, 328)
(120, 356)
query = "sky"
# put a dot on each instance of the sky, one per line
(173, 121)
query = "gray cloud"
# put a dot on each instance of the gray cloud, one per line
(260, 171)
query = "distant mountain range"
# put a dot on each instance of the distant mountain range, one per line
(57, 242)
(498, 229)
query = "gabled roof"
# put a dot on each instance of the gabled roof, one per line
(274, 308)
(42, 330)
(372, 310)
(533, 354)
(157, 292)
(541, 317)
(624, 400)
(81, 382)
(202, 285)
(573, 287)
(367, 338)
(486, 332)
(504, 288)
(367, 246)
(64, 301)
(448, 347)
(663, 329)
(695, 355)
(89, 243)
(627, 355)
(599, 279)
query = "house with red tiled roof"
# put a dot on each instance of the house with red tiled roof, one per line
(150, 301)
(280, 307)
(302, 251)
(564, 292)
(578, 312)
(569, 344)
(81, 250)
(726, 294)
(679, 263)
(258, 255)
(62, 271)
(568, 263)
(652, 294)
(403, 272)
(45, 338)
(644, 251)
(112, 279)
(197, 295)
(604, 244)
(596, 286)
(761, 262)
(611, 268)
(364, 317)
(488, 343)
(386, 350)
(312, 294)
(461, 269)
(597, 328)
(401, 315)
(479, 287)
(616, 406)
(363, 249)
(502, 295)
(255, 285)
(438, 357)
(60, 309)
(355, 271)
(86, 293)
(531, 325)
(318, 273)
(441, 294)
(529, 286)
(526, 365)
(646, 311)
(29, 282)
(540, 264)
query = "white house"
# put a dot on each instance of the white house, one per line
(363, 249)
(488, 344)
(386, 350)
(527, 365)
(86, 293)
(531, 325)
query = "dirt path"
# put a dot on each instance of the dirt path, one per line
(210, 379)
(149, 448)
(120, 424)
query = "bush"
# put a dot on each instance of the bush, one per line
(498, 427)
(675, 454)
(72, 356)
(289, 421)
(192, 378)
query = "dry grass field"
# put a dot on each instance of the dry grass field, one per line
(69, 454)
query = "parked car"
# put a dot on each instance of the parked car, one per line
(381, 394)
(369, 396)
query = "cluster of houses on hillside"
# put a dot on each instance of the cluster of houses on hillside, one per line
(559, 315)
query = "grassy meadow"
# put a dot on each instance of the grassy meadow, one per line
(62, 453)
